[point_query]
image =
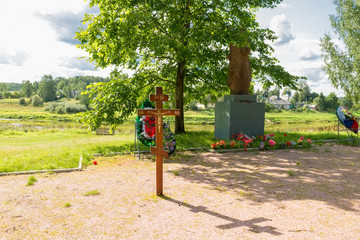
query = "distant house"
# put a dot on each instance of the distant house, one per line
(280, 104)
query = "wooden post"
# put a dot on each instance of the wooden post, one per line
(159, 112)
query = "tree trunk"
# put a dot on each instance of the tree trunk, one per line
(179, 97)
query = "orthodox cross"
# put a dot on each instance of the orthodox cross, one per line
(159, 112)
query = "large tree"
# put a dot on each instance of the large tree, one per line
(343, 64)
(26, 88)
(47, 88)
(180, 45)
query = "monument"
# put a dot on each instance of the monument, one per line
(239, 112)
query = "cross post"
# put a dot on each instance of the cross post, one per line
(159, 112)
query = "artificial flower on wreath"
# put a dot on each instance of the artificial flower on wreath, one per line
(349, 115)
(146, 132)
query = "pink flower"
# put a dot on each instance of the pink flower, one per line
(272, 143)
(309, 140)
(302, 138)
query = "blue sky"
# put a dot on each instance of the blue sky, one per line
(37, 39)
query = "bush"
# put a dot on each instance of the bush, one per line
(36, 101)
(6, 95)
(15, 94)
(62, 108)
(271, 108)
(22, 101)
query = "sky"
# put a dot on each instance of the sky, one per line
(37, 39)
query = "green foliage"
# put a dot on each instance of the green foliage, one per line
(332, 102)
(67, 205)
(181, 46)
(343, 65)
(85, 99)
(15, 94)
(6, 95)
(113, 103)
(36, 101)
(47, 88)
(92, 193)
(22, 101)
(31, 181)
(271, 108)
(26, 88)
(320, 102)
(62, 108)
(346, 101)
(67, 86)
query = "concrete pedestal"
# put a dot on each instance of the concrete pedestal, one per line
(239, 114)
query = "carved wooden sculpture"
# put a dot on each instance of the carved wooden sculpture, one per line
(239, 75)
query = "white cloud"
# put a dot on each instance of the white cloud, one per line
(282, 27)
(35, 40)
(284, 5)
(308, 53)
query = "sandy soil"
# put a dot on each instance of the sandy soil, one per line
(283, 194)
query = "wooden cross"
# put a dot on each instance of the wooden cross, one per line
(159, 112)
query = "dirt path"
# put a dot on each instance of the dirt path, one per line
(283, 194)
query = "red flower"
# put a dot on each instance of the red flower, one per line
(213, 145)
(285, 135)
(232, 144)
(95, 162)
(288, 143)
(245, 150)
(272, 134)
(150, 126)
(272, 143)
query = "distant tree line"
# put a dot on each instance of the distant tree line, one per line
(50, 89)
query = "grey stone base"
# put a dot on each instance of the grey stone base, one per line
(239, 113)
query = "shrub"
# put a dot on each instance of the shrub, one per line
(22, 101)
(15, 94)
(271, 108)
(6, 95)
(36, 101)
(62, 108)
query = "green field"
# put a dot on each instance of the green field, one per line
(32, 139)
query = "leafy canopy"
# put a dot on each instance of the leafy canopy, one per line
(343, 65)
(167, 42)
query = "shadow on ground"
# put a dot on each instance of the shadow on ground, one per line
(234, 223)
(328, 173)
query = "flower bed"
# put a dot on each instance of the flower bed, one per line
(268, 141)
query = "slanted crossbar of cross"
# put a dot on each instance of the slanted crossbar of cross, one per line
(159, 112)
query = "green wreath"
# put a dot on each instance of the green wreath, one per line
(145, 130)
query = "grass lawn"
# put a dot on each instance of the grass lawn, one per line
(38, 142)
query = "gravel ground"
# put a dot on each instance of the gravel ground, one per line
(283, 194)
